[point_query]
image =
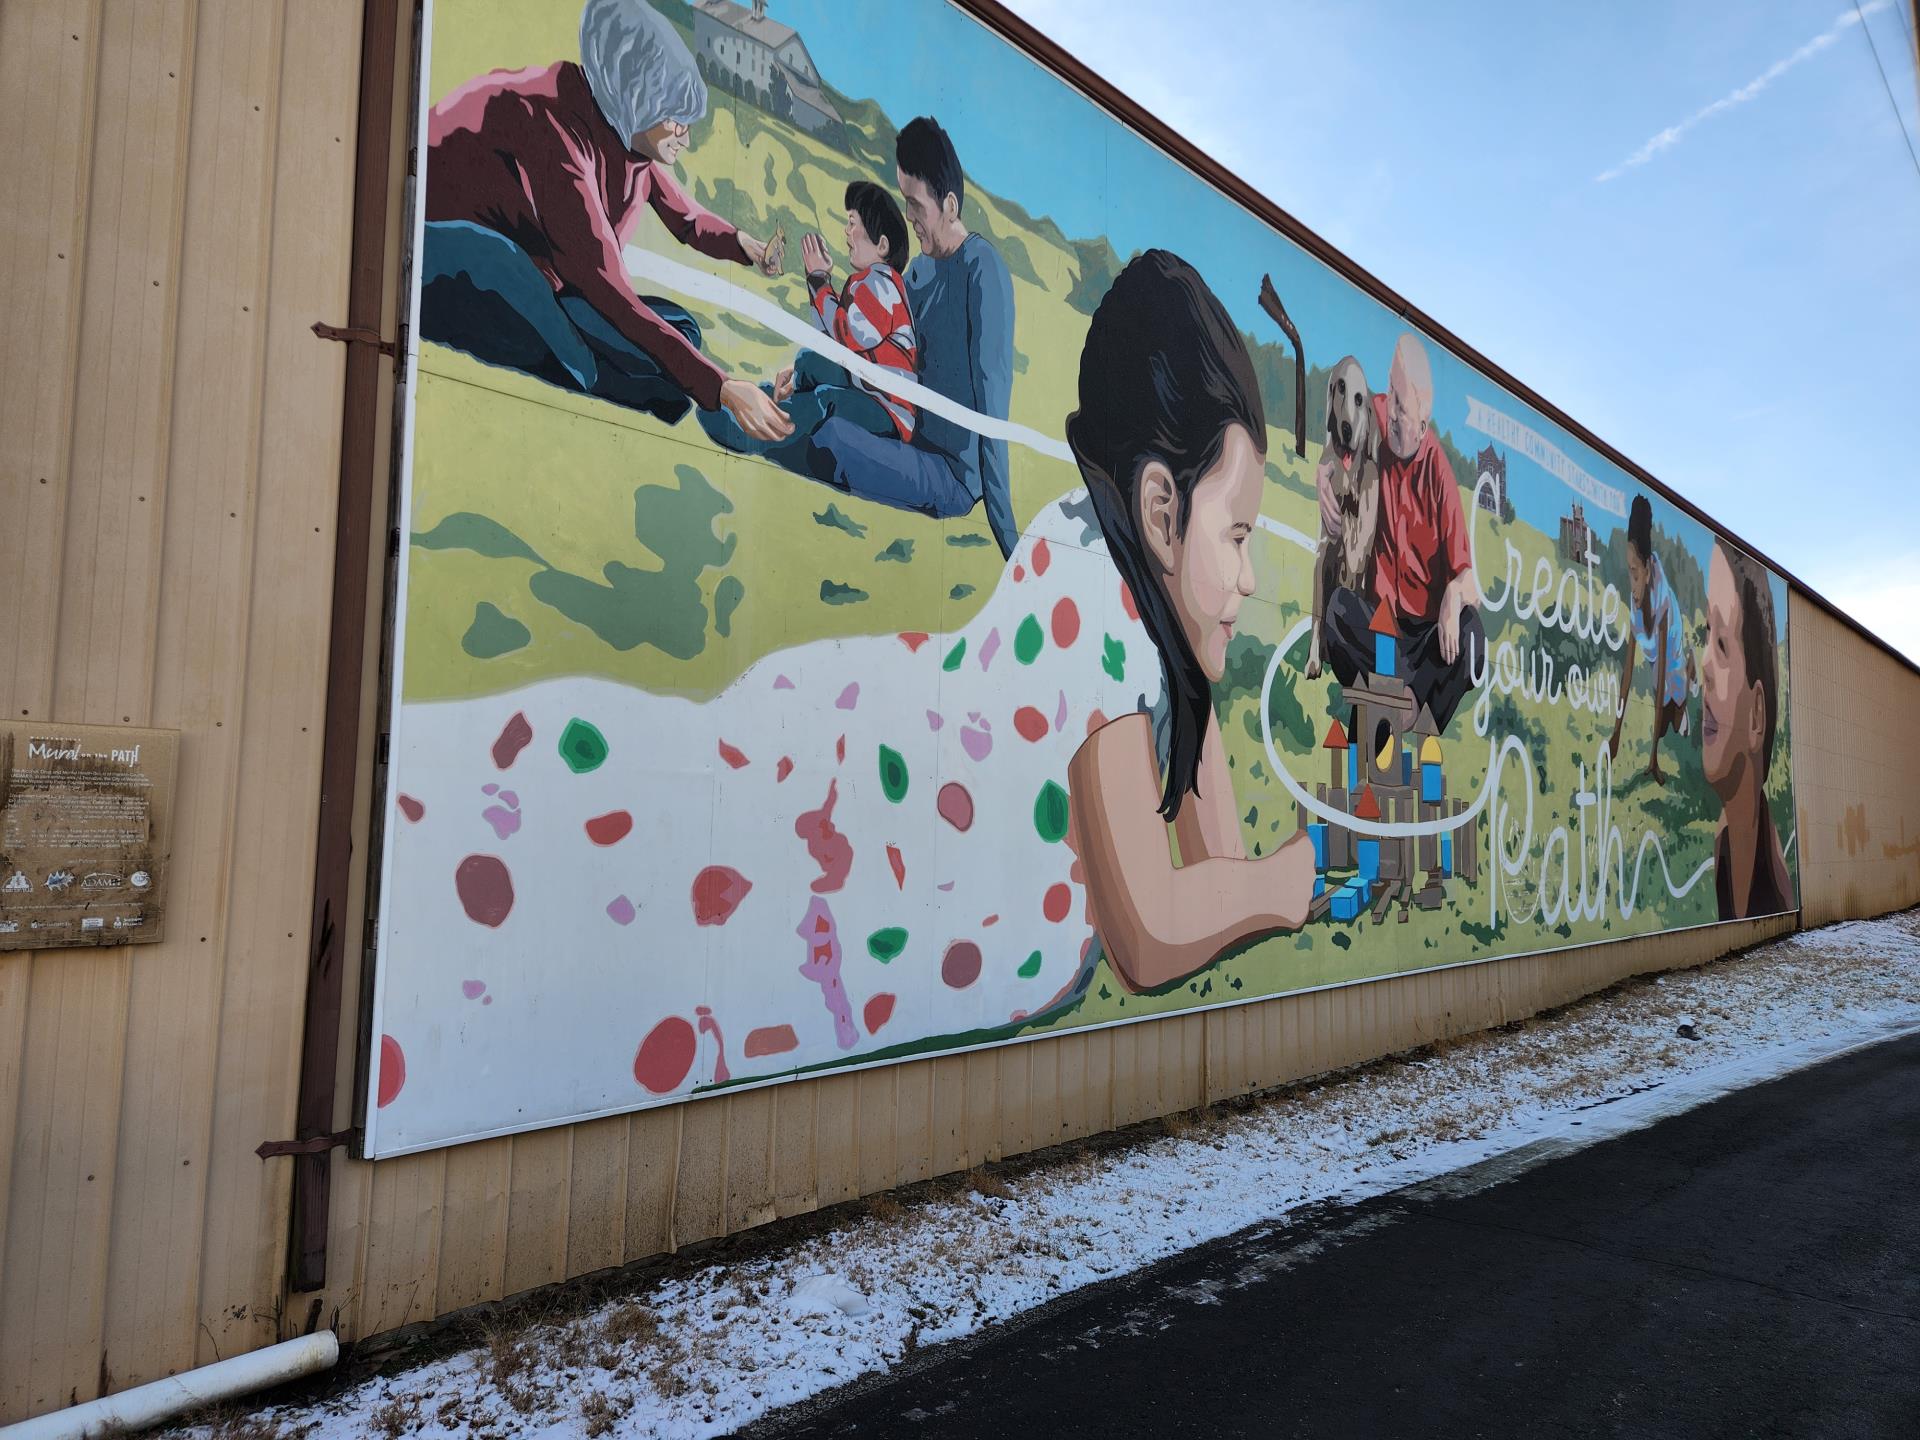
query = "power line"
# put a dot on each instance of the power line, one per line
(1898, 118)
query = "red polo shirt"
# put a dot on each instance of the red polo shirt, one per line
(1422, 543)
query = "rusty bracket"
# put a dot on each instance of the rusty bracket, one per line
(318, 1145)
(355, 335)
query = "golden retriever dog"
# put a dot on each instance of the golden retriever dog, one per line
(1348, 482)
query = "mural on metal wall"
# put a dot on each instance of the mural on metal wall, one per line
(887, 575)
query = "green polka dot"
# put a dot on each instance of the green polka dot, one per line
(582, 746)
(1031, 967)
(1113, 658)
(893, 774)
(1050, 813)
(1027, 641)
(885, 944)
(955, 655)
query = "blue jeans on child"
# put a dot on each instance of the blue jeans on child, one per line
(482, 294)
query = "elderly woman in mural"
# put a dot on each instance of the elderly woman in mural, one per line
(536, 181)
(1170, 437)
(1739, 712)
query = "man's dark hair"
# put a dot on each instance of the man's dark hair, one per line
(1757, 639)
(880, 217)
(924, 152)
(1640, 526)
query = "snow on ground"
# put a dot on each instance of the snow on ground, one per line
(703, 1352)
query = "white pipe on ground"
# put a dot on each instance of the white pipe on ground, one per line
(147, 1405)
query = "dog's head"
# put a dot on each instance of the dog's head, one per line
(1350, 420)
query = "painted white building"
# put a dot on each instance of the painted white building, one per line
(741, 47)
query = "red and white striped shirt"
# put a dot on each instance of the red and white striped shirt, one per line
(870, 315)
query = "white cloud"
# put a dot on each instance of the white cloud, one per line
(1673, 134)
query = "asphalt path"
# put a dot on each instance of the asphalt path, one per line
(1750, 1267)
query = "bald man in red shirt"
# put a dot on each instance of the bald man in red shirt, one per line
(1422, 560)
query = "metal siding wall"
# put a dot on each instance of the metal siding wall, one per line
(1856, 770)
(179, 176)
(166, 559)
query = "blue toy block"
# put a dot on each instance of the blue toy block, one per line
(1317, 833)
(1353, 767)
(1346, 904)
(1446, 855)
(1385, 655)
(1319, 886)
(1366, 857)
(1406, 766)
(1433, 784)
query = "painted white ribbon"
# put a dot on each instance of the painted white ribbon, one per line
(666, 273)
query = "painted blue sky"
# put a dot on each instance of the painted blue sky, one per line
(1692, 227)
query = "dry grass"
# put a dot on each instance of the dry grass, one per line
(397, 1415)
(600, 1412)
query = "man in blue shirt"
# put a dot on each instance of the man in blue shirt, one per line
(962, 301)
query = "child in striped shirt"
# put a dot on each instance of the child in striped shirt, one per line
(869, 315)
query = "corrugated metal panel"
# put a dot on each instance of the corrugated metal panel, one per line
(1856, 770)
(169, 429)
(177, 175)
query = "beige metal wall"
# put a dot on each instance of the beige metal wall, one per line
(1856, 721)
(179, 180)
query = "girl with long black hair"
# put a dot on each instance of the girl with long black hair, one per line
(1170, 437)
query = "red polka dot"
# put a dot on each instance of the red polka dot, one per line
(610, 828)
(665, 1056)
(840, 748)
(733, 755)
(1042, 557)
(771, 1040)
(485, 889)
(393, 1070)
(783, 769)
(717, 893)
(1058, 903)
(899, 864)
(411, 808)
(1031, 724)
(877, 1011)
(913, 639)
(1126, 601)
(1019, 573)
(960, 966)
(1096, 720)
(1066, 622)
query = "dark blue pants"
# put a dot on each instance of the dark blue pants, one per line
(482, 294)
(1346, 631)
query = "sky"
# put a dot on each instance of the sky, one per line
(1691, 227)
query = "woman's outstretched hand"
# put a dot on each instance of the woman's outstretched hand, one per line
(754, 411)
(769, 257)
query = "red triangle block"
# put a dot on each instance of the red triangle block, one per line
(1367, 807)
(1336, 737)
(1383, 621)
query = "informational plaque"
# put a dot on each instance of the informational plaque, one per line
(84, 811)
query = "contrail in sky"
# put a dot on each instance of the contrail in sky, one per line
(1672, 135)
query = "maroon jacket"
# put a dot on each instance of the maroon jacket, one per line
(528, 153)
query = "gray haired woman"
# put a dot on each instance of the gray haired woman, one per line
(537, 179)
